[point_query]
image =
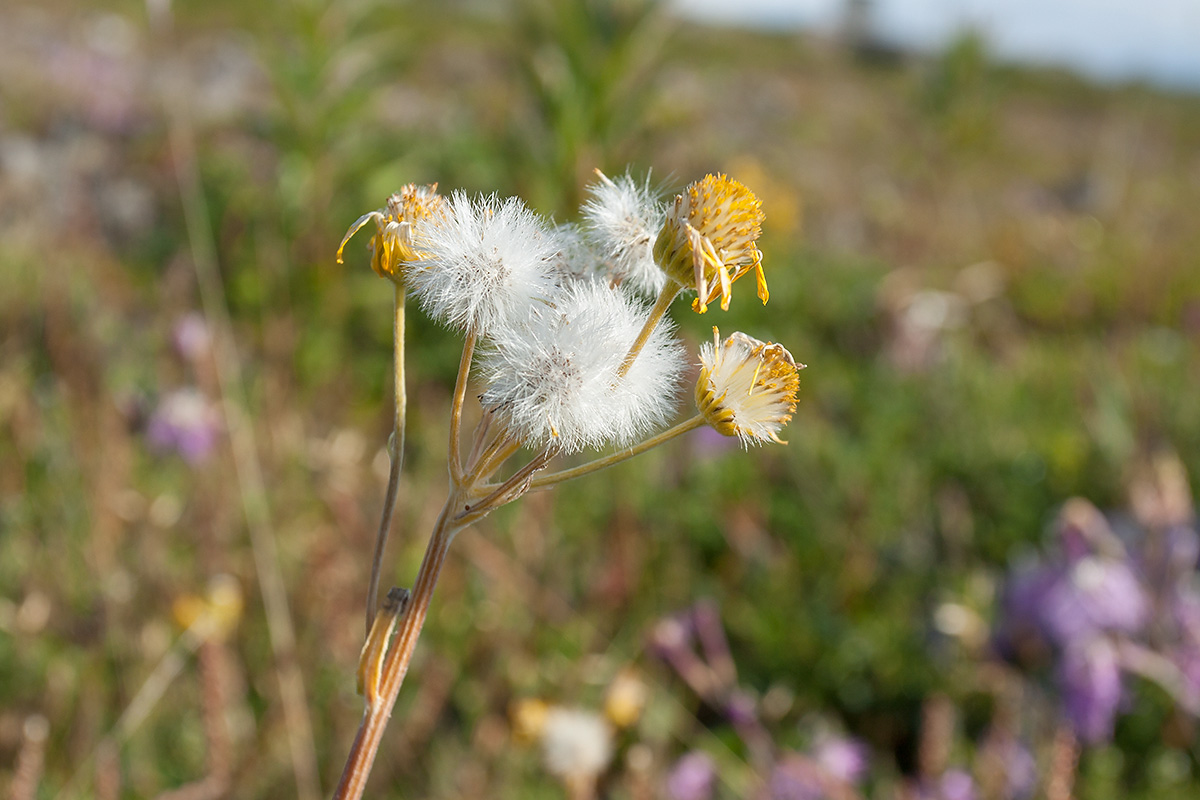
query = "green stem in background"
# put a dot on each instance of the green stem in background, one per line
(395, 454)
(616, 458)
(665, 298)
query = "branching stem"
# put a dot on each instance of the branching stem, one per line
(616, 458)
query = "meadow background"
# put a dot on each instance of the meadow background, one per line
(991, 272)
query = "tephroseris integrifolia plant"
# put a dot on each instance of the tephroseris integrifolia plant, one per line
(572, 358)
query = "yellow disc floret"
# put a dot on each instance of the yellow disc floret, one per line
(392, 246)
(708, 240)
(747, 388)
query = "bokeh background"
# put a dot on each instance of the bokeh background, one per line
(990, 268)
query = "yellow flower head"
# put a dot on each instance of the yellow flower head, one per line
(392, 246)
(708, 239)
(747, 388)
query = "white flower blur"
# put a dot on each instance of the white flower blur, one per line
(576, 743)
(555, 380)
(484, 264)
(623, 219)
(747, 388)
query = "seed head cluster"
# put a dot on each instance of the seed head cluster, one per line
(570, 358)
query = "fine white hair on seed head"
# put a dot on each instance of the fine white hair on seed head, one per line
(575, 257)
(555, 379)
(623, 219)
(484, 263)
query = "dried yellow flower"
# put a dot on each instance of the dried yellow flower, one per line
(747, 388)
(708, 240)
(392, 246)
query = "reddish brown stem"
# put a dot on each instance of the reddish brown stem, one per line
(366, 744)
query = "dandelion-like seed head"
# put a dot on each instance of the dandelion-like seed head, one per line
(484, 263)
(396, 224)
(555, 380)
(623, 217)
(708, 240)
(747, 388)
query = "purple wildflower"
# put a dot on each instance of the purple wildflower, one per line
(741, 708)
(1090, 675)
(191, 337)
(1095, 594)
(186, 422)
(796, 778)
(1020, 770)
(692, 777)
(842, 757)
(956, 784)
(1021, 634)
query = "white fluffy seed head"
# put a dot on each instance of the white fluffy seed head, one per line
(484, 263)
(623, 218)
(555, 379)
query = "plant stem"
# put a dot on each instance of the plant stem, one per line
(665, 298)
(370, 732)
(460, 392)
(396, 455)
(616, 458)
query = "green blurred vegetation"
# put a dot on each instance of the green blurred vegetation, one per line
(991, 273)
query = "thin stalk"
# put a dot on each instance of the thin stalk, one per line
(496, 454)
(665, 298)
(616, 458)
(395, 666)
(506, 492)
(460, 392)
(481, 432)
(395, 454)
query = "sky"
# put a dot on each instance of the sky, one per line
(1153, 40)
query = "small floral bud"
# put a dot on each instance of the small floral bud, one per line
(708, 241)
(747, 388)
(392, 245)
